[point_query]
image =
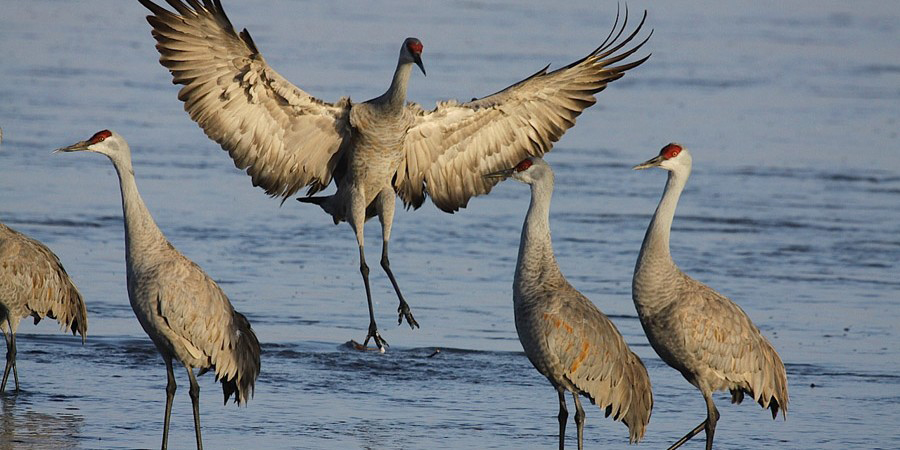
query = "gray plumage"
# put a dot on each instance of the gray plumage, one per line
(181, 308)
(287, 140)
(694, 329)
(34, 283)
(564, 335)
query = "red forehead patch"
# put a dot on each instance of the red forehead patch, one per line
(100, 136)
(524, 165)
(415, 46)
(670, 151)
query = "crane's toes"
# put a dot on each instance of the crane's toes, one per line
(404, 312)
(376, 338)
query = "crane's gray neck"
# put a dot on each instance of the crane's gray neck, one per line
(395, 97)
(536, 259)
(141, 232)
(655, 260)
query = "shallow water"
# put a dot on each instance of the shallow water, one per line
(791, 113)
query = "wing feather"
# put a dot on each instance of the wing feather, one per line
(201, 319)
(450, 148)
(465, 141)
(33, 282)
(727, 342)
(284, 138)
(597, 360)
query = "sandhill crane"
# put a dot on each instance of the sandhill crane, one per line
(564, 335)
(287, 139)
(694, 329)
(181, 308)
(34, 283)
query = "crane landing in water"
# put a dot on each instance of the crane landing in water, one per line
(564, 335)
(287, 139)
(694, 329)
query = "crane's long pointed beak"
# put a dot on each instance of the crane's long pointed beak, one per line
(505, 173)
(418, 60)
(653, 162)
(81, 146)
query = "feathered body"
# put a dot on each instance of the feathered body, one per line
(182, 310)
(693, 328)
(564, 335)
(34, 283)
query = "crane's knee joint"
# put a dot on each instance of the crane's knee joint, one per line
(364, 269)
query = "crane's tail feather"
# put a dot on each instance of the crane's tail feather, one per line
(68, 309)
(327, 206)
(246, 353)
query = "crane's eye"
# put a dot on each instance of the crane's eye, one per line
(415, 46)
(670, 151)
(100, 136)
(524, 165)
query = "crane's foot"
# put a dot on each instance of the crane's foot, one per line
(376, 337)
(404, 312)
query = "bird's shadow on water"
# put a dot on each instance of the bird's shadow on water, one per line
(22, 427)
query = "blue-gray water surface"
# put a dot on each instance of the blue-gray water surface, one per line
(791, 111)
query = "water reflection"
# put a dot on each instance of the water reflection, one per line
(22, 427)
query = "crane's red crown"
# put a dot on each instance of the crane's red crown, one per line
(100, 136)
(524, 165)
(415, 46)
(670, 151)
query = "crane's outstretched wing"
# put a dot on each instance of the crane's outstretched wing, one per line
(285, 138)
(596, 359)
(450, 148)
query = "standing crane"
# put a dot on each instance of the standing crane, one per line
(287, 139)
(34, 283)
(181, 308)
(564, 335)
(694, 329)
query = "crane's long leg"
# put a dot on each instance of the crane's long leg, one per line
(10, 357)
(373, 328)
(357, 222)
(712, 416)
(563, 417)
(386, 200)
(579, 420)
(194, 392)
(170, 394)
